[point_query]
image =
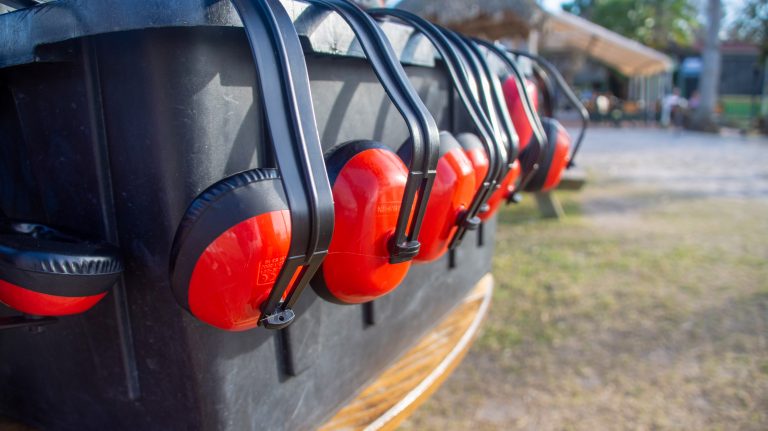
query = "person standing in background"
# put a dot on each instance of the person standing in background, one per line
(671, 108)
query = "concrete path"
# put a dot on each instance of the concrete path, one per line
(686, 162)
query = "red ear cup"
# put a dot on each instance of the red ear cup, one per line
(452, 193)
(368, 182)
(555, 158)
(41, 304)
(474, 150)
(46, 272)
(561, 153)
(516, 110)
(229, 249)
(502, 193)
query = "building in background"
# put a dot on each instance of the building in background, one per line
(742, 80)
(596, 59)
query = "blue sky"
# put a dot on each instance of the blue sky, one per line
(553, 4)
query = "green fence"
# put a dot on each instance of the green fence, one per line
(737, 109)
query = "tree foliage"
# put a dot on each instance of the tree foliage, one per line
(751, 24)
(656, 23)
(582, 8)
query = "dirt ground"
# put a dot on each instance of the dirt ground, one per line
(645, 308)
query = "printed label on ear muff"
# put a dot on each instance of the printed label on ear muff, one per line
(269, 269)
(386, 209)
(236, 272)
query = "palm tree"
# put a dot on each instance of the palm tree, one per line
(704, 116)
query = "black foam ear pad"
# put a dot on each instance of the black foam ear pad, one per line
(43, 270)
(473, 148)
(447, 143)
(338, 156)
(50, 261)
(531, 154)
(470, 141)
(250, 261)
(224, 195)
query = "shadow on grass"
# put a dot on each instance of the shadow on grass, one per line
(526, 211)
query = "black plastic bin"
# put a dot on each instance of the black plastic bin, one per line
(114, 115)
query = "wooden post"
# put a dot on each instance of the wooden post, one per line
(549, 206)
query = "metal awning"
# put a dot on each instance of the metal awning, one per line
(565, 31)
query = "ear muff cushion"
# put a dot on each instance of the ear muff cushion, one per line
(475, 151)
(502, 193)
(44, 271)
(516, 111)
(368, 181)
(229, 249)
(560, 156)
(536, 183)
(451, 194)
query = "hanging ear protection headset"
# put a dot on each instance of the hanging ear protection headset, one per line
(557, 156)
(380, 202)
(452, 192)
(500, 116)
(504, 133)
(550, 69)
(544, 84)
(248, 245)
(532, 157)
(482, 151)
(455, 186)
(516, 106)
(484, 93)
(50, 272)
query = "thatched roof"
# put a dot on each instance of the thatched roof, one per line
(565, 32)
(489, 18)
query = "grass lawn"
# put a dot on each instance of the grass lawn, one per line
(642, 309)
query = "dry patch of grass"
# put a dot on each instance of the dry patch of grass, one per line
(641, 310)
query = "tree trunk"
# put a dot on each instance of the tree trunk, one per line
(704, 117)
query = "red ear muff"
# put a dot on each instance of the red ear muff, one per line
(476, 154)
(516, 109)
(368, 182)
(47, 272)
(230, 247)
(503, 192)
(451, 195)
(560, 140)
(555, 158)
